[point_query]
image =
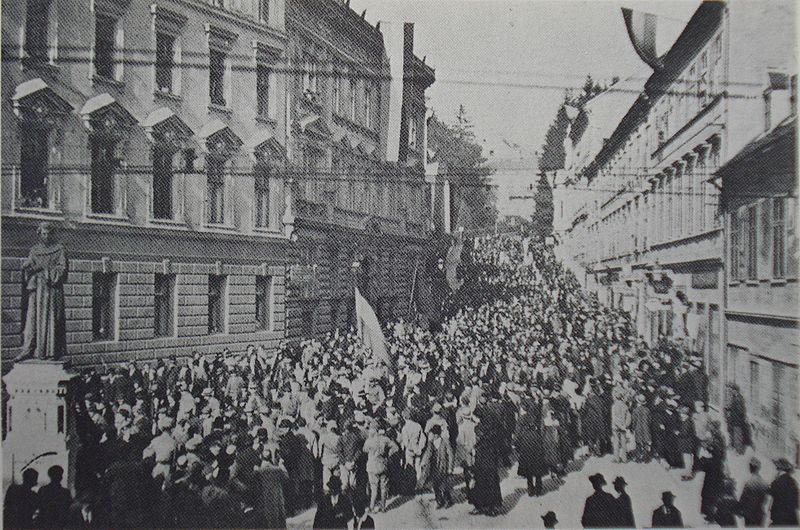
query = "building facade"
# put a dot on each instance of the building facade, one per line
(150, 134)
(192, 160)
(759, 202)
(358, 199)
(648, 234)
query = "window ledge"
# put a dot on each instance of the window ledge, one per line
(38, 213)
(171, 96)
(778, 281)
(214, 107)
(107, 218)
(107, 81)
(269, 232)
(218, 227)
(751, 282)
(176, 224)
(266, 120)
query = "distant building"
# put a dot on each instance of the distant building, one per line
(357, 198)
(649, 234)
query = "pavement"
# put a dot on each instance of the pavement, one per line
(566, 499)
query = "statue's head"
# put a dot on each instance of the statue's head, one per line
(44, 231)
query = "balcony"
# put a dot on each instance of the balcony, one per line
(255, 10)
(165, 201)
(105, 198)
(37, 200)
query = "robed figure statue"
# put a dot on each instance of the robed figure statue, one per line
(43, 277)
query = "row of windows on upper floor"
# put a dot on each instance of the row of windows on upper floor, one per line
(679, 202)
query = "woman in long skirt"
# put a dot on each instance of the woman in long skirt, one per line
(485, 494)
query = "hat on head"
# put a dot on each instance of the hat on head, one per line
(620, 480)
(597, 479)
(193, 442)
(783, 464)
(207, 391)
(549, 518)
(640, 398)
(437, 407)
(667, 495)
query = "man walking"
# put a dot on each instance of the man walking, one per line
(754, 494)
(785, 495)
(440, 464)
(598, 511)
(667, 515)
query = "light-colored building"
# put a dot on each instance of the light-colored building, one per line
(152, 134)
(759, 201)
(650, 234)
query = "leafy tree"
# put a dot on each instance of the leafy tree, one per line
(462, 158)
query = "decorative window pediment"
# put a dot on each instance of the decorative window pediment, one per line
(103, 115)
(165, 129)
(35, 101)
(264, 146)
(168, 20)
(220, 38)
(219, 139)
(266, 54)
(313, 124)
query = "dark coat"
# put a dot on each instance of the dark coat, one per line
(598, 512)
(751, 502)
(329, 516)
(667, 519)
(19, 505)
(529, 446)
(784, 501)
(54, 501)
(624, 512)
(712, 482)
(486, 491)
(593, 418)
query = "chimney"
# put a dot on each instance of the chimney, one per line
(778, 101)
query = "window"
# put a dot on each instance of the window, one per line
(755, 385)
(36, 26)
(103, 305)
(367, 118)
(35, 146)
(165, 62)
(262, 175)
(262, 90)
(309, 76)
(736, 244)
(263, 11)
(307, 311)
(752, 242)
(105, 31)
(216, 190)
(164, 304)
(778, 226)
(216, 304)
(412, 133)
(767, 110)
(718, 48)
(351, 99)
(103, 175)
(162, 183)
(337, 92)
(216, 77)
(264, 302)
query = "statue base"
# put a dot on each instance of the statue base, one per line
(40, 422)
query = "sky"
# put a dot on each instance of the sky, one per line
(508, 61)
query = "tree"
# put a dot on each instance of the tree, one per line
(543, 214)
(462, 158)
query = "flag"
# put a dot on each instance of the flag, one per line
(642, 32)
(369, 330)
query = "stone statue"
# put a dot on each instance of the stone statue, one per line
(44, 273)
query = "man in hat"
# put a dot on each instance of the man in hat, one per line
(439, 461)
(640, 424)
(53, 501)
(600, 506)
(624, 509)
(379, 448)
(549, 520)
(667, 515)
(785, 495)
(620, 423)
(754, 495)
(20, 502)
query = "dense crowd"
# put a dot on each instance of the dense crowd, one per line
(527, 369)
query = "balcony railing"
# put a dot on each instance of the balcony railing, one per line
(166, 201)
(34, 200)
(253, 9)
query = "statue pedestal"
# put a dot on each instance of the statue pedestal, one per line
(40, 421)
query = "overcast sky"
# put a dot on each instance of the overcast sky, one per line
(480, 47)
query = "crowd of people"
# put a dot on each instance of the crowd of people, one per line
(527, 370)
